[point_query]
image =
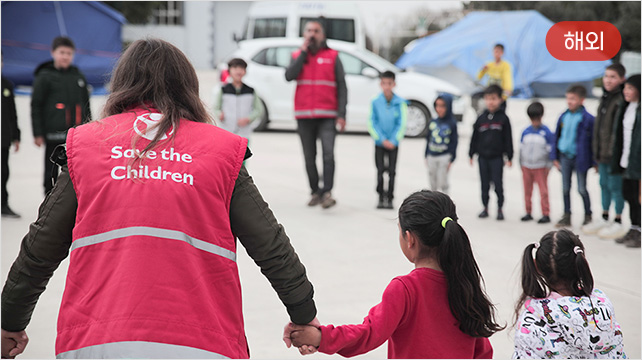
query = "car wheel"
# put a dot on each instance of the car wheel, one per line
(417, 120)
(264, 120)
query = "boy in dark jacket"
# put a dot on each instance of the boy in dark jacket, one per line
(492, 139)
(610, 184)
(441, 147)
(10, 136)
(573, 152)
(60, 100)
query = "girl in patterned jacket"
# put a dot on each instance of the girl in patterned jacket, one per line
(560, 315)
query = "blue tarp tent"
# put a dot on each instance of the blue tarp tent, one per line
(28, 28)
(468, 45)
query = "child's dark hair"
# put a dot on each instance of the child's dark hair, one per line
(387, 75)
(425, 214)
(535, 110)
(578, 90)
(498, 45)
(237, 62)
(493, 89)
(618, 68)
(559, 263)
(62, 41)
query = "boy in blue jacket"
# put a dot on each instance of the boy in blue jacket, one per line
(387, 126)
(573, 152)
(441, 144)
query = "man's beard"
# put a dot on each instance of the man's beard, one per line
(314, 45)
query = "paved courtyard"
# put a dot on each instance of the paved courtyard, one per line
(351, 251)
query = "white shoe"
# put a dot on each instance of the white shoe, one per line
(613, 231)
(595, 226)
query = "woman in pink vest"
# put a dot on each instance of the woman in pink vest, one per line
(149, 204)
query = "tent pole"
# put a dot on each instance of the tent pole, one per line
(61, 20)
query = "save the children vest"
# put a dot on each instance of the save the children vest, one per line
(316, 89)
(152, 271)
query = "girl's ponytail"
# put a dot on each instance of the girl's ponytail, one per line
(532, 283)
(584, 283)
(432, 217)
(466, 296)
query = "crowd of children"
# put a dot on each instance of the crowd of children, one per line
(440, 309)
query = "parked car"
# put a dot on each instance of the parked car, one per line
(268, 58)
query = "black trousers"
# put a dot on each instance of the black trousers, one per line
(491, 170)
(631, 193)
(5, 175)
(309, 131)
(49, 175)
(386, 161)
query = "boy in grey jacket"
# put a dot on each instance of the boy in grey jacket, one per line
(536, 159)
(237, 107)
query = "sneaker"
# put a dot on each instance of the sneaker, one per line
(483, 214)
(634, 240)
(327, 201)
(587, 219)
(314, 200)
(544, 220)
(565, 221)
(595, 227)
(388, 204)
(626, 237)
(8, 213)
(527, 217)
(380, 204)
(500, 215)
(613, 231)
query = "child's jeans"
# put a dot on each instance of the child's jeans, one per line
(492, 170)
(438, 172)
(386, 161)
(611, 186)
(539, 177)
(568, 167)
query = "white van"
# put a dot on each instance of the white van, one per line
(287, 19)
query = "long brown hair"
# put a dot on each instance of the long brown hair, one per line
(155, 73)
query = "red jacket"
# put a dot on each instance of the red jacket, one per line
(415, 318)
(316, 89)
(152, 270)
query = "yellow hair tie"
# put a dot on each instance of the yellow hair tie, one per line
(444, 221)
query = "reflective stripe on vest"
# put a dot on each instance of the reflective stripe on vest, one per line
(317, 82)
(315, 112)
(139, 350)
(155, 232)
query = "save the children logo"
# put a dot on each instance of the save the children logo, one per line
(145, 126)
(583, 41)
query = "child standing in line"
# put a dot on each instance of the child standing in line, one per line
(603, 137)
(626, 156)
(560, 314)
(439, 310)
(573, 152)
(536, 159)
(387, 126)
(441, 147)
(492, 140)
(237, 106)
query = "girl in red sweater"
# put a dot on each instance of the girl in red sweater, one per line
(439, 310)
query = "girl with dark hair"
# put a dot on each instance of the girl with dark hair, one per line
(560, 314)
(439, 310)
(149, 204)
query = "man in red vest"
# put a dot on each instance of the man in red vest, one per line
(319, 104)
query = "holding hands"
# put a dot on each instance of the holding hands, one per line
(305, 337)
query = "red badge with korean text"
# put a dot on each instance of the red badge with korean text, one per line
(583, 41)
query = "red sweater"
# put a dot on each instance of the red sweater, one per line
(415, 318)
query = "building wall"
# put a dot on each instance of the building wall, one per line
(206, 36)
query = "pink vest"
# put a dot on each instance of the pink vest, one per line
(316, 88)
(152, 269)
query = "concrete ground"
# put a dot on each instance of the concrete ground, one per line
(351, 251)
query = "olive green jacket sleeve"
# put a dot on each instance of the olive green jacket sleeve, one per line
(49, 238)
